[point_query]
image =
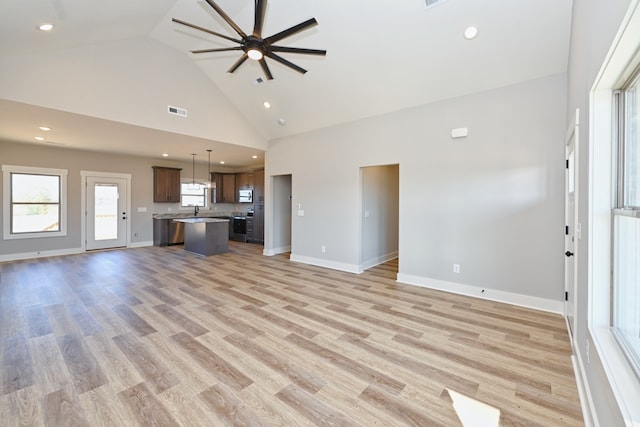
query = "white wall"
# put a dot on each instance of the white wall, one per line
(492, 202)
(130, 81)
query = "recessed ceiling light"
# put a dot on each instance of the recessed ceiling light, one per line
(254, 157)
(222, 162)
(165, 154)
(45, 27)
(38, 138)
(266, 104)
(44, 128)
(281, 121)
(470, 33)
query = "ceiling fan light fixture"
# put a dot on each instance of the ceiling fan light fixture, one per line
(255, 54)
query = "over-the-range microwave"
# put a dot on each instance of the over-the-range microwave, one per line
(245, 196)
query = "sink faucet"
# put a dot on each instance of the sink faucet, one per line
(196, 210)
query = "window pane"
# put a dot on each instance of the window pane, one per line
(35, 188)
(192, 194)
(632, 147)
(626, 285)
(192, 200)
(35, 218)
(106, 212)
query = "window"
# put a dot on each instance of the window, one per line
(626, 221)
(193, 194)
(34, 201)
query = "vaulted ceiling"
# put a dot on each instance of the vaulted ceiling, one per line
(105, 75)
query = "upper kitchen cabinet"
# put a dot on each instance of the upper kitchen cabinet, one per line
(225, 191)
(258, 186)
(244, 180)
(166, 185)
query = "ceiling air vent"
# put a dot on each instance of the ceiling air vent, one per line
(431, 3)
(177, 111)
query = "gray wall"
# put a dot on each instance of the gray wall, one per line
(594, 26)
(492, 202)
(41, 155)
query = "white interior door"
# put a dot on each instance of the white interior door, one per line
(572, 230)
(106, 214)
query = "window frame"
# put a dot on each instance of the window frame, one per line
(205, 190)
(7, 171)
(622, 206)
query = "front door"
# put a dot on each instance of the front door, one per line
(106, 215)
(571, 222)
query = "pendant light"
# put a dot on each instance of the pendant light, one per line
(193, 185)
(209, 183)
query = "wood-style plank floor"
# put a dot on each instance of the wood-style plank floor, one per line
(160, 337)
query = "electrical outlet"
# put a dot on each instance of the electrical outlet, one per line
(323, 248)
(456, 268)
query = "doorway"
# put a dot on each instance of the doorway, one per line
(571, 221)
(380, 213)
(281, 217)
(106, 202)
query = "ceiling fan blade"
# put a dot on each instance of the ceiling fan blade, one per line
(297, 50)
(265, 69)
(238, 63)
(261, 8)
(285, 62)
(226, 18)
(222, 49)
(205, 30)
(290, 31)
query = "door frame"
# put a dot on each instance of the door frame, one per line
(83, 202)
(572, 139)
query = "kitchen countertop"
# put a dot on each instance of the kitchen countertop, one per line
(197, 220)
(201, 214)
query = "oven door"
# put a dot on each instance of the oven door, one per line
(239, 233)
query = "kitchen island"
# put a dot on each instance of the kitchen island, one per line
(206, 236)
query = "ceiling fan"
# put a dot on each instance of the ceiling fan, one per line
(254, 45)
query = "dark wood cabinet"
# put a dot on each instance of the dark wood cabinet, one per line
(258, 186)
(225, 191)
(166, 185)
(244, 180)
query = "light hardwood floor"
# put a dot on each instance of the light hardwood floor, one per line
(157, 336)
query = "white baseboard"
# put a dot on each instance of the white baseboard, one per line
(349, 268)
(140, 244)
(40, 254)
(586, 400)
(378, 260)
(276, 251)
(484, 293)
(59, 252)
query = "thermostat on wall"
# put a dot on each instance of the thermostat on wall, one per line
(459, 133)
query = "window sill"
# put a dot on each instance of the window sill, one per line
(624, 382)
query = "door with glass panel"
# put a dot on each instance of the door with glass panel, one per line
(106, 213)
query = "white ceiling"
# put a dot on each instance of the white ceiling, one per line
(382, 56)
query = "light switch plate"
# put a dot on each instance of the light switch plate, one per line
(300, 212)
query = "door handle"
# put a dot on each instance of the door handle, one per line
(568, 254)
